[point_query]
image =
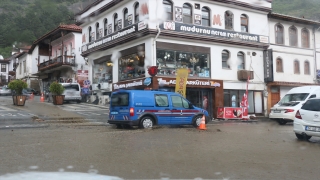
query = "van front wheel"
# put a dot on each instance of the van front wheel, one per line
(146, 122)
(197, 120)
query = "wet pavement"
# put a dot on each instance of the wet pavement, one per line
(261, 150)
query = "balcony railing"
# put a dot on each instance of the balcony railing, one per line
(56, 62)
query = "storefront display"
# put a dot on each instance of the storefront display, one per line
(131, 66)
(102, 72)
(230, 113)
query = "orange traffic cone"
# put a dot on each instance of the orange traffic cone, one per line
(42, 98)
(202, 125)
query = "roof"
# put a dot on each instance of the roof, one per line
(4, 61)
(64, 27)
(293, 19)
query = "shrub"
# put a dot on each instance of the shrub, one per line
(56, 88)
(17, 86)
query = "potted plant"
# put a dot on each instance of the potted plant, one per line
(16, 87)
(57, 89)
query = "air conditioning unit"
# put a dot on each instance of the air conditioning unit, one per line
(244, 74)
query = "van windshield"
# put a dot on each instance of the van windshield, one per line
(121, 99)
(71, 87)
(293, 97)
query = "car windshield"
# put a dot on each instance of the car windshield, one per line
(293, 97)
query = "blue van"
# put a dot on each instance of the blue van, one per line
(148, 108)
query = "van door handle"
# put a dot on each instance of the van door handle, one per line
(166, 109)
(174, 109)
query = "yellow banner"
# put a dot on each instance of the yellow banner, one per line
(181, 81)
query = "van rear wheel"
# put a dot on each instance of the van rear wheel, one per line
(146, 122)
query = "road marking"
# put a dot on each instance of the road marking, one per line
(2, 108)
(88, 113)
(22, 114)
(8, 114)
(78, 107)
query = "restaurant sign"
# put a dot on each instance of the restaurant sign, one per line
(111, 37)
(213, 32)
(128, 84)
(190, 82)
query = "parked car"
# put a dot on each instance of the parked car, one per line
(5, 91)
(35, 92)
(284, 111)
(72, 92)
(307, 120)
(148, 108)
(27, 93)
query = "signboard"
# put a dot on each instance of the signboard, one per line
(82, 75)
(197, 19)
(129, 20)
(126, 85)
(202, 83)
(181, 81)
(119, 24)
(229, 113)
(213, 32)
(178, 14)
(268, 65)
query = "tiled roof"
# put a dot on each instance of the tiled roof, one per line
(294, 19)
(70, 27)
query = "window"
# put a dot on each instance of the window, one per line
(105, 27)
(225, 58)
(24, 67)
(305, 38)
(20, 69)
(313, 96)
(279, 66)
(120, 99)
(131, 66)
(293, 97)
(125, 16)
(244, 23)
(205, 16)
(136, 13)
(169, 61)
(115, 22)
(97, 31)
(240, 62)
(161, 100)
(3, 68)
(306, 67)
(312, 105)
(296, 67)
(71, 87)
(90, 35)
(228, 16)
(293, 36)
(177, 101)
(102, 72)
(232, 98)
(187, 13)
(167, 5)
(279, 34)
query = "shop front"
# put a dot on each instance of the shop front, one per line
(203, 93)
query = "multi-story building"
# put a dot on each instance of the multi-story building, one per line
(222, 43)
(292, 55)
(4, 71)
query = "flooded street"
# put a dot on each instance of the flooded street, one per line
(261, 150)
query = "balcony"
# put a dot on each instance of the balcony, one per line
(59, 61)
(244, 74)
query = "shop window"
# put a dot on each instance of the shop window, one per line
(167, 5)
(306, 67)
(205, 16)
(244, 23)
(115, 22)
(225, 58)
(296, 67)
(97, 31)
(241, 64)
(279, 66)
(169, 61)
(228, 16)
(105, 27)
(179, 102)
(187, 13)
(293, 36)
(232, 98)
(125, 16)
(102, 72)
(279, 34)
(161, 100)
(305, 38)
(131, 66)
(136, 13)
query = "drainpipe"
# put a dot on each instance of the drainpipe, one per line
(315, 53)
(155, 39)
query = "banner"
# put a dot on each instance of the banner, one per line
(181, 81)
(244, 103)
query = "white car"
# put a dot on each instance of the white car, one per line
(307, 120)
(72, 92)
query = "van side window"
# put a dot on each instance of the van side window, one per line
(312, 96)
(177, 101)
(161, 100)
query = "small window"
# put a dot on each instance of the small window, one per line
(177, 101)
(121, 99)
(136, 13)
(228, 16)
(90, 35)
(161, 100)
(225, 58)
(279, 34)
(240, 62)
(312, 96)
(115, 23)
(187, 13)
(71, 87)
(244, 23)
(167, 5)
(125, 16)
(3, 68)
(205, 16)
(306, 67)
(296, 67)
(279, 66)
(105, 27)
(312, 105)
(305, 38)
(97, 31)
(293, 36)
